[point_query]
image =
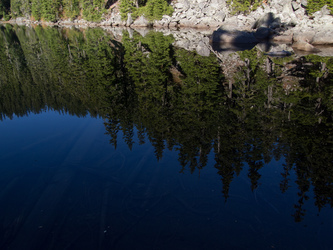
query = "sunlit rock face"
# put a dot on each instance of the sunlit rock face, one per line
(210, 13)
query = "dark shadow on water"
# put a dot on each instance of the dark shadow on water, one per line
(224, 40)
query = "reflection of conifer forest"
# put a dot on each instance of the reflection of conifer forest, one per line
(179, 100)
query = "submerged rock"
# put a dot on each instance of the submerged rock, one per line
(282, 53)
(288, 38)
(305, 46)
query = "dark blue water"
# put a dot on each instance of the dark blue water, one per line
(64, 186)
(129, 142)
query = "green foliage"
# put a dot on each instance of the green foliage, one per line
(148, 63)
(53, 10)
(4, 9)
(152, 10)
(243, 6)
(20, 8)
(36, 9)
(92, 10)
(15, 8)
(50, 10)
(155, 9)
(127, 6)
(71, 8)
(315, 5)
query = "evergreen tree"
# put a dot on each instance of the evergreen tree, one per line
(315, 5)
(155, 9)
(71, 8)
(127, 6)
(92, 10)
(36, 9)
(4, 8)
(152, 9)
(50, 10)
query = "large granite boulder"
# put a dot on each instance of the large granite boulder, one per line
(324, 37)
(304, 46)
(141, 21)
(129, 20)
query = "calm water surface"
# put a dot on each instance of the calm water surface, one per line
(136, 144)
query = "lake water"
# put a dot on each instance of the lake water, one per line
(134, 143)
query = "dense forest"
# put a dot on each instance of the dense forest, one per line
(90, 10)
(95, 10)
(176, 99)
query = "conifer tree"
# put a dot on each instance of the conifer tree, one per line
(4, 8)
(155, 9)
(50, 10)
(71, 8)
(92, 9)
(36, 9)
(20, 8)
(126, 6)
(315, 5)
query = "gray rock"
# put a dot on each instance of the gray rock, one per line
(179, 6)
(295, 5)
(304, 3)
(300, 13)
(186, 5)
(20, 20)
(304, 36)
(304, 46)
(208, 11)
(323, 20)
(130, 32)
(173, 24)
(207, 20)
(281, 53)
(202, 49)
(129, 19)
(186, 23)
(283, 38)
(158, 24)
(287, 7)
(141, 21)
(106, 23)
(324, 37)
(202, 5)
(142, 31)
(220, 16)
(182, 44)
(117, 21)
(325, 11)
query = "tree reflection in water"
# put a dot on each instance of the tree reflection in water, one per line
(268, 108)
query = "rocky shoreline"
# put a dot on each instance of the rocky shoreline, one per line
(280, 21)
